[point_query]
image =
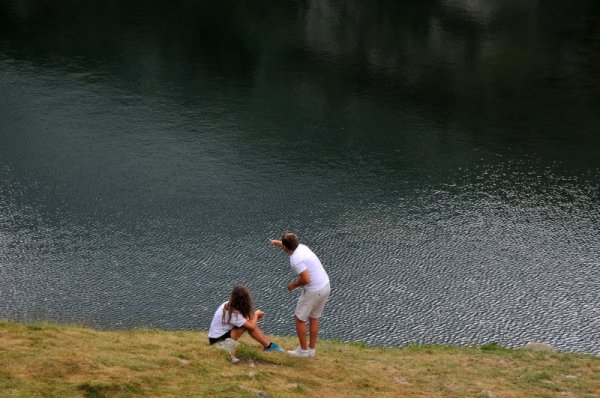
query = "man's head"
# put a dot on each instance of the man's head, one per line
(290, 241)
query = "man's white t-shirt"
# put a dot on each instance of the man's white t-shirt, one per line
(304, 259)
(218, 328)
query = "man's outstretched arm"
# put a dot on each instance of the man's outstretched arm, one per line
(276, 243)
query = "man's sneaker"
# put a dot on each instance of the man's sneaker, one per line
(312, 352)
(275, 348)
(299, 352)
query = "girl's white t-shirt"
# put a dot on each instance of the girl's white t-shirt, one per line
(218, 328)
(304, 259)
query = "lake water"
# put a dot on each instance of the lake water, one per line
(442, 158)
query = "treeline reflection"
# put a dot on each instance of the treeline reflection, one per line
(525, 63)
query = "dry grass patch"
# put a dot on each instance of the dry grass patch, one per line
(65, 361)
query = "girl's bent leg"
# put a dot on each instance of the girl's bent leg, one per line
(230, 343)
(259, 336)
(236, 333)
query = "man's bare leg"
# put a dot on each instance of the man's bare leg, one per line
(301, 331)
(314, 331)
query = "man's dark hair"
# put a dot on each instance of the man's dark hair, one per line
(290, 240)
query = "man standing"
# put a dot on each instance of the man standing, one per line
(315, 283)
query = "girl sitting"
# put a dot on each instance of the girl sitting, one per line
(233, 318)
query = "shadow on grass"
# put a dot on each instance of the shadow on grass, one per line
(253, 355)
(493, 346)
(101, 390)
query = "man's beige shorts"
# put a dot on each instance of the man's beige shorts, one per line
(311, 304)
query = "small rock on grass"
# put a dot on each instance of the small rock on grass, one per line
(259, 393)
(540, 347)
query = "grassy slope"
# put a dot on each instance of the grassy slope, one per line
(43, 360)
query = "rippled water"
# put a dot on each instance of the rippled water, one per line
(442, 159)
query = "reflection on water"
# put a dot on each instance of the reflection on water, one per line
(440, 157)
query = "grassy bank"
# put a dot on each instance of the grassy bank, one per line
(43, 360)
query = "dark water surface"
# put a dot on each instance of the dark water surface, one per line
(442, 158)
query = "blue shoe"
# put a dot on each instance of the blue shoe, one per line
(275, 348)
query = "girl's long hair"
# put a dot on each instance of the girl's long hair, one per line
(240, 301)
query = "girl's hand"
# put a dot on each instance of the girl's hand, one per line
(259, 314)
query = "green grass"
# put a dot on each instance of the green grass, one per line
(47, 360)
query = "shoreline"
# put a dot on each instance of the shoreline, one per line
(541, 345)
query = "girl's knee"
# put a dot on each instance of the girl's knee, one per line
(236, 333)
